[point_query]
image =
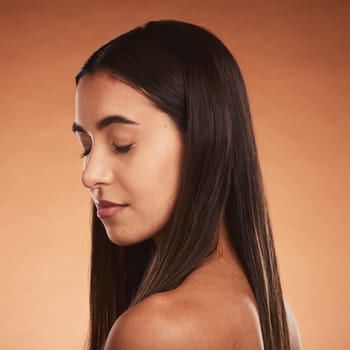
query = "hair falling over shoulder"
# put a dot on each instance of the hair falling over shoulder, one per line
(188, 73)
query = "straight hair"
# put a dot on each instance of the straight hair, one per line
(187, 72)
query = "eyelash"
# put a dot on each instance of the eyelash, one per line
(116, 149)
(121, 149)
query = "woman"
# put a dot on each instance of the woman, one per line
(182, 251)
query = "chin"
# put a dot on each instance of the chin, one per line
(124, 238)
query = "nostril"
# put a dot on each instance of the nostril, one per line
(93, 177)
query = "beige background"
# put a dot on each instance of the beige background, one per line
(294, 56)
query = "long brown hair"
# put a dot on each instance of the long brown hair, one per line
(188, 73)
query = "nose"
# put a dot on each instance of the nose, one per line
(96, 171)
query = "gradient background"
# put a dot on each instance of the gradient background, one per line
(295, 58)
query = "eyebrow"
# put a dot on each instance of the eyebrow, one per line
(103, 123)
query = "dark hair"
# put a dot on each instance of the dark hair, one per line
(188, 73)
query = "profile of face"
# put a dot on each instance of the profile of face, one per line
(132, 155)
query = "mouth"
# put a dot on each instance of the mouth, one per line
(107, 209)
(106, 204)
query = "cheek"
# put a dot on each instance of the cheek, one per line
(155, 176)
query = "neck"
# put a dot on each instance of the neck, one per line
(225, 252)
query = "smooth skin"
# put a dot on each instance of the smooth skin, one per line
(146, 176)
(214, 308)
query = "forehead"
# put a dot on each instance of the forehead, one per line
(99, 95)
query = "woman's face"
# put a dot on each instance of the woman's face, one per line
(132, 156)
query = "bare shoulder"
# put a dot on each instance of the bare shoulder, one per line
(165, 321)
(151, 324)
(294, 335)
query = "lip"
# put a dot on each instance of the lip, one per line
(107, 209)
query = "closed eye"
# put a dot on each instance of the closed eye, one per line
(116, 149)
(121, 149)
